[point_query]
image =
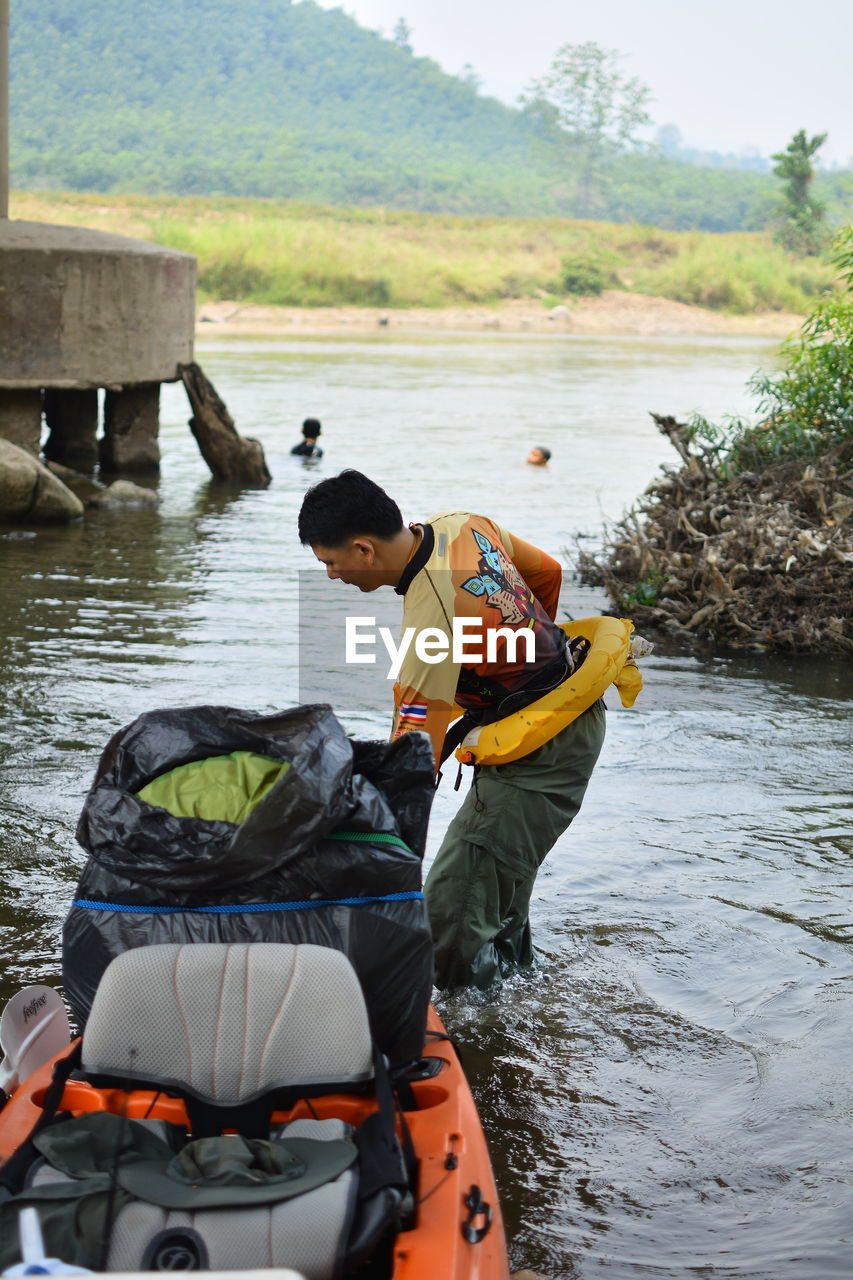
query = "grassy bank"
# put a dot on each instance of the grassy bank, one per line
(294, 254)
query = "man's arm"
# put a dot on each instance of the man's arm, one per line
(413, 711)
(425, 691)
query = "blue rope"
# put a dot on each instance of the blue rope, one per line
(92, 904)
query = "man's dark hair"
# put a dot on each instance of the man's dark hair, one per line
(344, 507)
(546, 453)
(311, 428)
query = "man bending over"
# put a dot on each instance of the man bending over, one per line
(464, 575)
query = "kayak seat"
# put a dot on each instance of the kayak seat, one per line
(233, 1028)
(238, 1030)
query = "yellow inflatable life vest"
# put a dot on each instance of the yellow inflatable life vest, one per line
(608, 662)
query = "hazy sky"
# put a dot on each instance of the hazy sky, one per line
(731, 74)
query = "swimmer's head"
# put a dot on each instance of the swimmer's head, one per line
(538, 457)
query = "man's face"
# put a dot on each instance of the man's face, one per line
(354, 562)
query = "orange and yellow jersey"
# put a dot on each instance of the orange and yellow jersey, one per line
(469, 567)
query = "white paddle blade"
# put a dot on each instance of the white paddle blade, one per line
(34, 1027)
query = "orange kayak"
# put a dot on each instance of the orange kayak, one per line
(457, 1229)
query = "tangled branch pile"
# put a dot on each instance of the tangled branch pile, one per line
(764, 558)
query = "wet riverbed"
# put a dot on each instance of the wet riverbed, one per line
(670, 1095)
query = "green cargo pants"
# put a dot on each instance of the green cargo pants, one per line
(478, 889)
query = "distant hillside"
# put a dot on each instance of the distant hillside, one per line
(265, 98)
(256, 98)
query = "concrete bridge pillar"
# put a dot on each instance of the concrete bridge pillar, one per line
(131, 426)
(20, 418)
(82, 310)
(72, 417)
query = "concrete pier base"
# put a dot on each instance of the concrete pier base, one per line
(131, 426)
(82, 310)
(72, 417)
(20, 418)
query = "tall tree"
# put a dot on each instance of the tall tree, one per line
(402, 35)
(598, 109)
(802, 229)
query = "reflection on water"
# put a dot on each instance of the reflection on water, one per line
(669, 1095)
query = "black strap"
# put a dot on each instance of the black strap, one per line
(405, 1094)
(14, 1171)
(250, 1119)
(456, 733)
(551, 677)
(380, 1162)
(410, 1159)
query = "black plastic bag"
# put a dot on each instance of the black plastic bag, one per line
(347, 821)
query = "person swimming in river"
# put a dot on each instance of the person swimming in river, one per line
(538, 457)
(308, 446)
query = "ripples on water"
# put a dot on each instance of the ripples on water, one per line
(692, 1010)
(669, 1095)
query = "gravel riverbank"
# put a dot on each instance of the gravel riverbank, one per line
(613, 312)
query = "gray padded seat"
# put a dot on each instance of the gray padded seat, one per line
(305, 1234)
(227, 1024)
(290, 1235)
(230, 1022)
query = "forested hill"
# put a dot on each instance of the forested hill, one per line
(270, 98)
(256, 98)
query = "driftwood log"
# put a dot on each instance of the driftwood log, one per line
(762, 558)
(230, 456)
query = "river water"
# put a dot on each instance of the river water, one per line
(670, 1095)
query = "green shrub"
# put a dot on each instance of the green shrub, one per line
(583, 274)
(644, 593)
(233, 278)
(344, 288)
(807, 408)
